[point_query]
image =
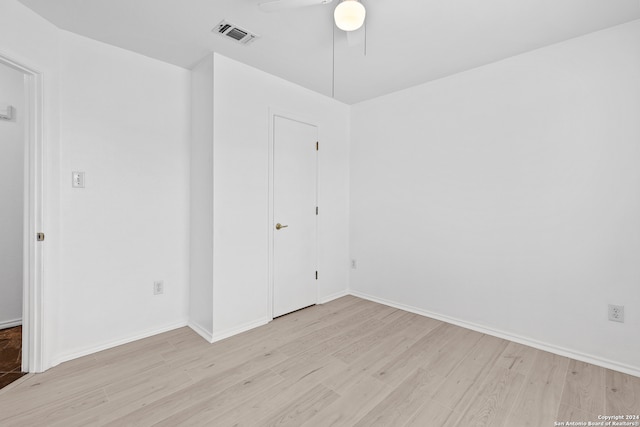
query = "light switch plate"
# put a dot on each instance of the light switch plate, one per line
(6, 112)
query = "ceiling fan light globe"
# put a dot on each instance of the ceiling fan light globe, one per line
(349, 15)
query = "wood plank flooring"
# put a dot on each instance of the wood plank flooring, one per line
(10, 355)
(350, 362)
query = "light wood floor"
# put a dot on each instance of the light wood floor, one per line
(348, 362)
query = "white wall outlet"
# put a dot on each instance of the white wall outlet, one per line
(354, 264)
(77, 179)
(616, 313)
(158, 287)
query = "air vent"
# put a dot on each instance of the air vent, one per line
(235, 33)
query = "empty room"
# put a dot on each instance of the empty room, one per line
(320, 213)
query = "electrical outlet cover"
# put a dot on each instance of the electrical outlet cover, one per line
(158, 288)
(616, 313)
(77, 179)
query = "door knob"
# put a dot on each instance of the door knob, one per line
(279, 226)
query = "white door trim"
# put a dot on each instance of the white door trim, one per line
(272, 114)
(32, 311)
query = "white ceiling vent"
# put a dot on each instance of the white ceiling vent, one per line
(235, 33)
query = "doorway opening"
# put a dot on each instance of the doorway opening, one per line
(21, 192)
(12, 160)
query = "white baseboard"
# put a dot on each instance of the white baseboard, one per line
(220, 335)
(324, 300)
(594, 360)
(6, 324)
(226, 333)
(201, 331)
(65, 357)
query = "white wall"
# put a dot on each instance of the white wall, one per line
(242, 99)
(508, 196)
(201, 212)
(11, 197)
(125, 122)
(505, 196)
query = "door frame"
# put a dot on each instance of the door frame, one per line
(33, 268)
(272, 114)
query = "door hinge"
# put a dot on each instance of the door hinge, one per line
(317, 145)
(40, 237)
(316, 274)
(316, 210)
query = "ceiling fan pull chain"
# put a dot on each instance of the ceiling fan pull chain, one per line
(333, 61)
(365, 38)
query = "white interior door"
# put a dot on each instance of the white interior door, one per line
(294, 215)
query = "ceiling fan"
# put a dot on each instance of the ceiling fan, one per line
(348, 15)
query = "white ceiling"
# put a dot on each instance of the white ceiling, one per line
(408, 41)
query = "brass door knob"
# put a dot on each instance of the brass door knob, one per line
(279, 226)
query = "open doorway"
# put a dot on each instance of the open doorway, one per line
(12, 214)
(21, 221)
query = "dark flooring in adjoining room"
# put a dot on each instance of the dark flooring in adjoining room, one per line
(10, 355)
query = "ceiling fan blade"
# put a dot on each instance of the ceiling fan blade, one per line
(278, 5)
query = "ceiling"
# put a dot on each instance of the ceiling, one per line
(408, 41)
